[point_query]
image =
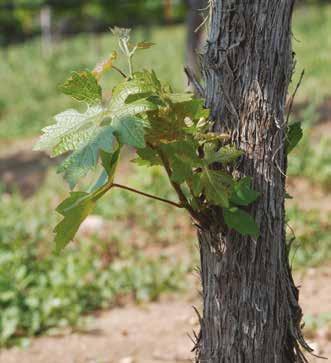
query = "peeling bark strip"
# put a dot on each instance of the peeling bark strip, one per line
(251, 312)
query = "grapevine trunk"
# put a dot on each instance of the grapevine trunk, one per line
(250, 303)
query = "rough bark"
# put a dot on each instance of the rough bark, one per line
(194, 32)
(250, 312)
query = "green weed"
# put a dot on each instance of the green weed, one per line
(40, 291)
(312, 245)
(312, 160)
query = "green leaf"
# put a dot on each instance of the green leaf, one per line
(82, 86)
(130, 130)
(180, 97)
(143, 83)
(68, 123)
(184, 149)
(241, 222)
(217, 187)
(293, 136)
(109, 162)
(78, 164)
(194, 109)
(101, 181)
(147, 157)
(181, 171)
(164, 129)
(169, 123)
(74, 210)
(73, 141)
(225, 155)
(133, 108)
(196, 185)
(243, 194)
(183, 158)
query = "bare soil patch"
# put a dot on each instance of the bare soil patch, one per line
(158, 332)
(307, 195)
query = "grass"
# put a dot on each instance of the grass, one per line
(40, 291)
(312, 244)
(312, 157)
(312, 45)
(29, 95)
(313, 323)
(312, 161)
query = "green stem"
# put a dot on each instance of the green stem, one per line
(130, 66)
(174, 204)
(129, 55)
(195, 215)
(193, 196)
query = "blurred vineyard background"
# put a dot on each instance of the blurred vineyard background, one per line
(132, 249)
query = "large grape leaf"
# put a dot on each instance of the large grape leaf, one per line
(80, 162)
(83, 86)
(240, 221)
(131, 98)
(73, 141)
(217, 187)
(68, 123)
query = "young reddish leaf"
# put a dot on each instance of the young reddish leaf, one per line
(145, 45)
(104, 66)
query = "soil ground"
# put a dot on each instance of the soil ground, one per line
(158, 332)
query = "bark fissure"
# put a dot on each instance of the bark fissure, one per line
(251, 312)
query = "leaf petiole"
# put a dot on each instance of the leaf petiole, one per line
(120, 72)
(174, 204)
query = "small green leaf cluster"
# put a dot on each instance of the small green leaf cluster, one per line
(165, 128)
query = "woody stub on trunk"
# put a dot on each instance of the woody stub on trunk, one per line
(250, 303)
